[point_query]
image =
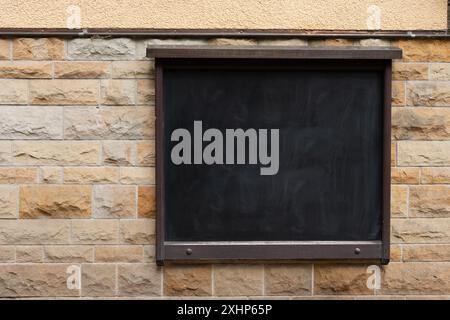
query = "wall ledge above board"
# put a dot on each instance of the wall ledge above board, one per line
(271, 52)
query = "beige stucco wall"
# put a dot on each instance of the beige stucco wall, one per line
(229, 14)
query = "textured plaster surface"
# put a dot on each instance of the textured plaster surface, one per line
(229, 14)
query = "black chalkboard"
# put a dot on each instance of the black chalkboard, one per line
(329, 183)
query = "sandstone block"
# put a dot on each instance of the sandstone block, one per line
(428, 93)
(51, 175)
(118, 253)
(50, 201)
(98, 280)
(146, 201)
(133, 69)
(139, 231)
(4, 49)
(35, 280)
(429, 201)
(114, 201)
(108, 123)
(399, 201)
(69, 254)
(81, 70)
(13, 92)
(8, 202)
(423, 153)
(288, 280)
(34, 231)
(427, 252)
(7, 254)
(139, 280)
(64, 92)
(16, 175)
(55, 152)
(98, 175)
(118, 92)
(341, 279)
(398, 93)
(25, 70)
(137, 175)
(420, 230)
(440, 71)
(405, 175)
(101, 49)
(237, 280)
(19, 122)
(425, 50)
(187, 280)
(118, 153)
(409, 71)
(435, 175)
(38, 49)
(145, 92)
(146, 153)
(29, 254)
(95, 231)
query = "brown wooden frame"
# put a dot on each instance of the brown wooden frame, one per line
(342, 58)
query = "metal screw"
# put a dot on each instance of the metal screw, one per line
(189, 251)
(357, 251)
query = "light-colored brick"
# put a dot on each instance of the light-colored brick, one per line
(139, 280)
(395, 253)
(118, 153)
(146, 201)
(119, 253)
(287, 280)
(137, 175)
(398, 93)
(435, 175)
(35, 280)
(108, 123)
(409, 71)
(145, 92)
(428, 93)
(440, 71)
(101, 49)
(95, 231)
(341, 279)
(29, 254)
(13, 91)
(399, 201)
(416, 278)
(425, 50)
(51, 175)
(114, 201)
(64, 92)
(140, 231)
(55, 152)
(17, 122)
(429, 201)
(13, 175)
(97, 175)
(187, 280)
(7, 254)
(69, 254)
(238, 280)
(423, 153)
(55, 201)
(149, 253)
(82, 70)
(146, 153)
(421, 230)
(25, 70)
(118, 92)
(405, 175)
(4, 49)
(374, 43)
(8, 202)
(34, 231)
(38, 49)
(133, 69)
(98, 280)
(421, 123)
(426, 252)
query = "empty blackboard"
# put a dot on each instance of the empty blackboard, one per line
(329, 186)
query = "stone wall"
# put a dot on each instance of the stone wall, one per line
(77, 157)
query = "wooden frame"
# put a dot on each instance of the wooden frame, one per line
(342, 58)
